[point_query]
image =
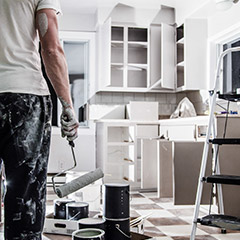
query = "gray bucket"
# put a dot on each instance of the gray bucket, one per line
(88, 234)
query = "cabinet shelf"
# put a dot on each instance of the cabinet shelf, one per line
(121, 163)
(180, 41)
(137, 44)
(116, 64)
(181, 64)
(117, 43)
(120, 144)
(137, 66)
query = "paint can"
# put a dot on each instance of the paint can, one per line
(117, 229)
(116, 201)
(77, 210)
(88, 234)
(59, 211)
(98, 223)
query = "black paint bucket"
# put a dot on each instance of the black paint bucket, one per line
(88, 234)
(98, 223)
(60, 208)
(117, 230)
(77, 210)
(116, 201)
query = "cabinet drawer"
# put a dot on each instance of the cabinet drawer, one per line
(147, 130)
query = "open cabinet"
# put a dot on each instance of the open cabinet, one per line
(124, 57)
(116, 152)
(136, 58)
(191, 59)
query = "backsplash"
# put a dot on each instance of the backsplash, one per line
(167, 101)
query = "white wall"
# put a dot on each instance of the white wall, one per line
(186, 8)
(224, 21)
(78, 22)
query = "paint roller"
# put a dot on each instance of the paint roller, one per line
(78, 183)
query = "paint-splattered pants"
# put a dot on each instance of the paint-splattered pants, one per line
(24, 148)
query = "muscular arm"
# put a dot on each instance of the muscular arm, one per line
(52, 53)
(56, 68)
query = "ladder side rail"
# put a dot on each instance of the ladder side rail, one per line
(203, 167)
(219, 186)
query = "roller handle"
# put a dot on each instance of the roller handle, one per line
(71, 143)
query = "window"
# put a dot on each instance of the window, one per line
(231, 68)
(76, 53)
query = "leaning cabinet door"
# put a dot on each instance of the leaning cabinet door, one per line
(162, 57)
(149, 164)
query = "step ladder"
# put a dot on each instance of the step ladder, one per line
(216, 220)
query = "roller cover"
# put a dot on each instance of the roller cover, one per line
(79, 183)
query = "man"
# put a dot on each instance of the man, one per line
(25, 109)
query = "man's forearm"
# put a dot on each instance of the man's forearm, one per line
(56, 69)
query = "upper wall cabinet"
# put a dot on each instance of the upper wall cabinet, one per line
(123, 57)
(135, 58)
(191, 39)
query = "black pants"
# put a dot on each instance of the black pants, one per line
(25, 131)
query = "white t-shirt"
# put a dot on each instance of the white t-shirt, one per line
(20, 65)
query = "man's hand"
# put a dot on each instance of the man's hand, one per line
(69, 124)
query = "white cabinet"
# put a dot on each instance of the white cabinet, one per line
(191, 68)
(116, 151)
(184, 129)
(123, 57)
(119, 151)
(136, 59)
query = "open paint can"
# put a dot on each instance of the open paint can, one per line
(88, 234)
(117, 229)
(60, 208)
(116, 201)
(77, 210)
(98, 223)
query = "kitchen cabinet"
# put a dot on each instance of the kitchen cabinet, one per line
(191, 59)
(119, 150)
(136, 58)
(184, 129)
(124, 57)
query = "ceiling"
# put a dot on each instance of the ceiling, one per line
(90, 6)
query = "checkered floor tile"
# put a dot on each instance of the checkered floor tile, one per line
(165, 220)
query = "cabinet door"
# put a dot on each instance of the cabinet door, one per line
(162, 57)
(104, 55)
(149, 164)
(168, 56)
(195, 54)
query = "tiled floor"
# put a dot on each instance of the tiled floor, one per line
(166, 222)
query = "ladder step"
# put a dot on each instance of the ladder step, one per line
(223, 179)
(221, 141)
(230, 97)
(221, 221)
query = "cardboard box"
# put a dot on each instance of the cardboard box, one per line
(67, 227)
(59, 226)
